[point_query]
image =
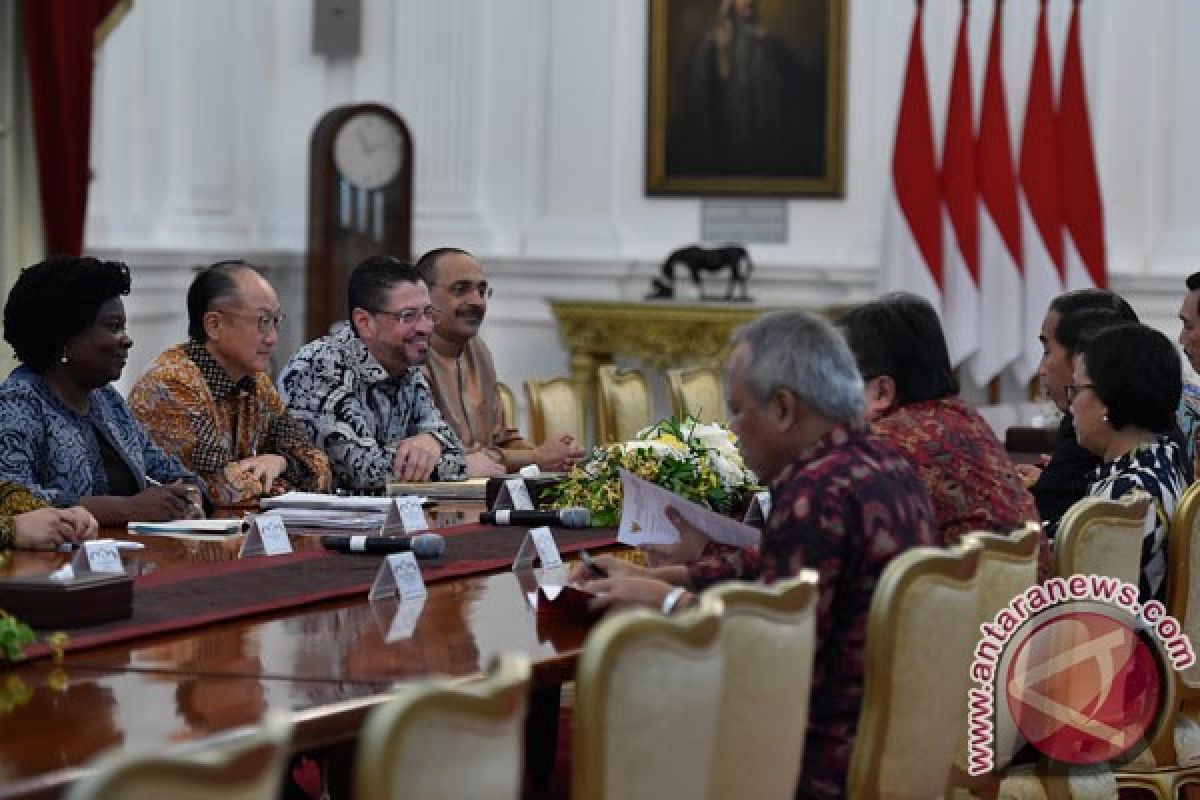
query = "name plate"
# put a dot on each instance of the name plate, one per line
(99, 556)
(760, 508)
(406, 514)
(514, 495)
(399, 575)
(267, 537)
(538, 544)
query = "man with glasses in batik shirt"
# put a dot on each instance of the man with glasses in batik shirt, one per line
(211, 402)
(359, 392)
(463, 378)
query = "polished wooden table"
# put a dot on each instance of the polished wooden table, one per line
(326, 664)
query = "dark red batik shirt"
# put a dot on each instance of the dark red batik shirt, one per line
(970, 478)
(845, 507)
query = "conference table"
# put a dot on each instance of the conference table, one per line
(324, 662)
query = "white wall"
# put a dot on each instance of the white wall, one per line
(528, 118)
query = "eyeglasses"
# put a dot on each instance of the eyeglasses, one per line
(1072, 390)
(265, 322)
(407, 316)
(463, 288)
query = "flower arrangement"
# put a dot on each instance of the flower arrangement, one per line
(15, 636)
(699, 462)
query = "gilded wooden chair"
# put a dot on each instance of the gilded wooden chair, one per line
(248, 768)
(1008, 565)
(769, 636)
(508, 404)
(647, 702)
(624, 404)
(444, 739)
(1172, 760)
(697, 392)
(555, 408)
(1103, 537)
(921, 633)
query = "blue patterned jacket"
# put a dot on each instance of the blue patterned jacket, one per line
(51, 450)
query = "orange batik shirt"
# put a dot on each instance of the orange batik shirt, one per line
(191, 408)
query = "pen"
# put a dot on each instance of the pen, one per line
(592, 566)
(121, 544)
(151, 482)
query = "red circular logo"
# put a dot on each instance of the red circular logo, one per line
(1084, 688)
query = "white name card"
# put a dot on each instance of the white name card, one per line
(99, 555)
(405, 513)
(514, 494)
(399, 574)
(538, 544)
(760, 508)
(267, 537)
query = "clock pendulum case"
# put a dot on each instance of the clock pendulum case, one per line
(359, 202)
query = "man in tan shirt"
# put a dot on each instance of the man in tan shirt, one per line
(463, 378)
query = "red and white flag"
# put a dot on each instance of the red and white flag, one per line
(1082, 206)
(911, 259)
(1041, 213)
(960, 312)
(1001, 307)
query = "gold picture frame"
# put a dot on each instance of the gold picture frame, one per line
(746, 97)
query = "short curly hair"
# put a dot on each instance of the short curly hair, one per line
(1136, 372)
(54, 300)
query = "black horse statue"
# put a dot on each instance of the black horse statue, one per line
(699, 260)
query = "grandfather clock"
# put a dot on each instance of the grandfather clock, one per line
(359, 202)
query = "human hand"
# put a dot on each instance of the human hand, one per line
(164, 503)
(690, 546)
(557, 454)
(610, 566)
(265, 469)
(416, 457)
(627, 592)
(85, 525)
(47, 528)
(1029, 473)
(482, 465)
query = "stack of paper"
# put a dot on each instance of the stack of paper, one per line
(189, 528)
(331, 518)
(311, 500)
(470, 489)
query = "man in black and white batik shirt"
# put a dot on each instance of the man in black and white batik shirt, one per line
(358, 392)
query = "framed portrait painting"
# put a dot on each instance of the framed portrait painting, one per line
(745, 97)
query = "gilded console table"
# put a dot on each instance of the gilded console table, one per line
(661, 335)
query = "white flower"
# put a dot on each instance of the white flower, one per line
(714, 437)
(660, 449)
(729, 469)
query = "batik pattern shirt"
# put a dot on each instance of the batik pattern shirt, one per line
(194, 410)
(970, 478)
(350, 407)
(14, 500)
(845, 507)
(53, 451)
(1156, 468)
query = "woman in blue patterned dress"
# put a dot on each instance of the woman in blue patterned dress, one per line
(65, 434)
(1123, 395)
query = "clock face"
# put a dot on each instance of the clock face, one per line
(368, 150)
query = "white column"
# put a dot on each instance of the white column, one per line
(575, 210)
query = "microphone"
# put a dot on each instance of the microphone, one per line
(423, 545)
(562, 517)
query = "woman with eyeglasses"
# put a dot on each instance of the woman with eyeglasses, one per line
(1124, 390)
(65, 433)
(210, 401)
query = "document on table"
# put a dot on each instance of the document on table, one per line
(644, 519)
(331, 518)
(328, 501)
(189, 528)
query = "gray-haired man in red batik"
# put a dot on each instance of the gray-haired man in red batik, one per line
(841, 503)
